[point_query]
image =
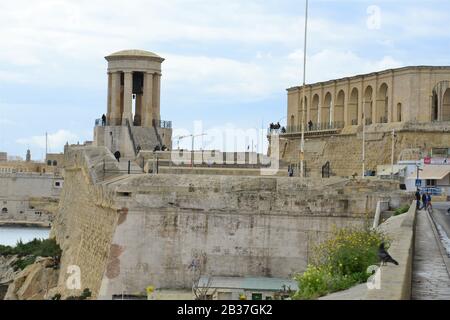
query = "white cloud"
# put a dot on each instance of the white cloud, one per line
(56, 141)
(332, 64)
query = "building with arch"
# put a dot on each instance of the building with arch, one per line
(409, 94)
(414, 101)
(133, 119)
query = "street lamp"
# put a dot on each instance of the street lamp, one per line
(417, 179)
(302, 143)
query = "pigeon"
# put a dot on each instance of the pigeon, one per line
(384, 256)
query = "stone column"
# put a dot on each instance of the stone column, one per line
(156, 96)
(127, 98)
(147, 103)
(115, 99)
(109, 110)
(347, 96)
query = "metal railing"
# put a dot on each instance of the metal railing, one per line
(314, 127)
(162, 124)
(130, 132)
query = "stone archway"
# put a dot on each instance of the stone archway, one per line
(353, 107)
(382, 104)
(446, 106)
(325, 111)
(314, 113)
(368, 103)
(440, 103)
(339, 108)
(300, 111)
(292, 124)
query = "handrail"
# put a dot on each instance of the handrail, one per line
(131, 136)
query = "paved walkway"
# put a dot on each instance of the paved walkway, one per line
(430, 278)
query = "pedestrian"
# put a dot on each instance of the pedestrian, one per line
(103, 120)
(291, 171)
(418, 199)
(424, 201)
(117, 155)
(310, 125)
(429, 205)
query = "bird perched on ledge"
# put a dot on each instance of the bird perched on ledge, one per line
(384, 256)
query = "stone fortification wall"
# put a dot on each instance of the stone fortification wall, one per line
(128, 232)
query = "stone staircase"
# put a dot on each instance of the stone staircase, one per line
(145, 138)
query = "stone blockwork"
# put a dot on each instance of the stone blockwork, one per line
(344, 151)
(85, 224)
(128, 232)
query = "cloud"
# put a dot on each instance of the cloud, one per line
(56, 141)
(332, 64)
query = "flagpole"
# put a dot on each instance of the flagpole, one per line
(302, 144)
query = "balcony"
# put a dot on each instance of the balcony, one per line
(312, 129)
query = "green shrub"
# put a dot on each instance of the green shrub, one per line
(401, 210)
(23, 262)
(339, 263)
(84, 295)
(28, 252)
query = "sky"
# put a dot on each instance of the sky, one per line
(228, 63)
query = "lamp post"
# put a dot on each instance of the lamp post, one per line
(392, 154)
(302, 143)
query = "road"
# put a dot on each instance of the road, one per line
(431, 278)
(442, 218)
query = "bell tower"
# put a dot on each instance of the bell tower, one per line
(134, 88)
(132, 122)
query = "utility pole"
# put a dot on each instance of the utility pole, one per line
(364, 143)
(193, 137)
(392, 154)
(302, 143)
(46, 145)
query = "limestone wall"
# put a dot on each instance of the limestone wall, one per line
(344, 151)
(129, 232)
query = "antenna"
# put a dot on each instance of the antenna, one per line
(46, 145)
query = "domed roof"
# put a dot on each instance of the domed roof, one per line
(134, 54)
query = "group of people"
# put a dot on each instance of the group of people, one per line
(275, 126)
(425, 197)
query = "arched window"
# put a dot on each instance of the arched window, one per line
(440, 105)
(368, 105)
(55, 163)
(300, 111)
(292, 124)
(399, 112)
(382, 104)
(446, 106)
(4, 210)
(314, 112)
(353, 107)
(49, 162)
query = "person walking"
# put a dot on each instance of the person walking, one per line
(424, 201)
(103, 120)
(418, 199)
(429, 205)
